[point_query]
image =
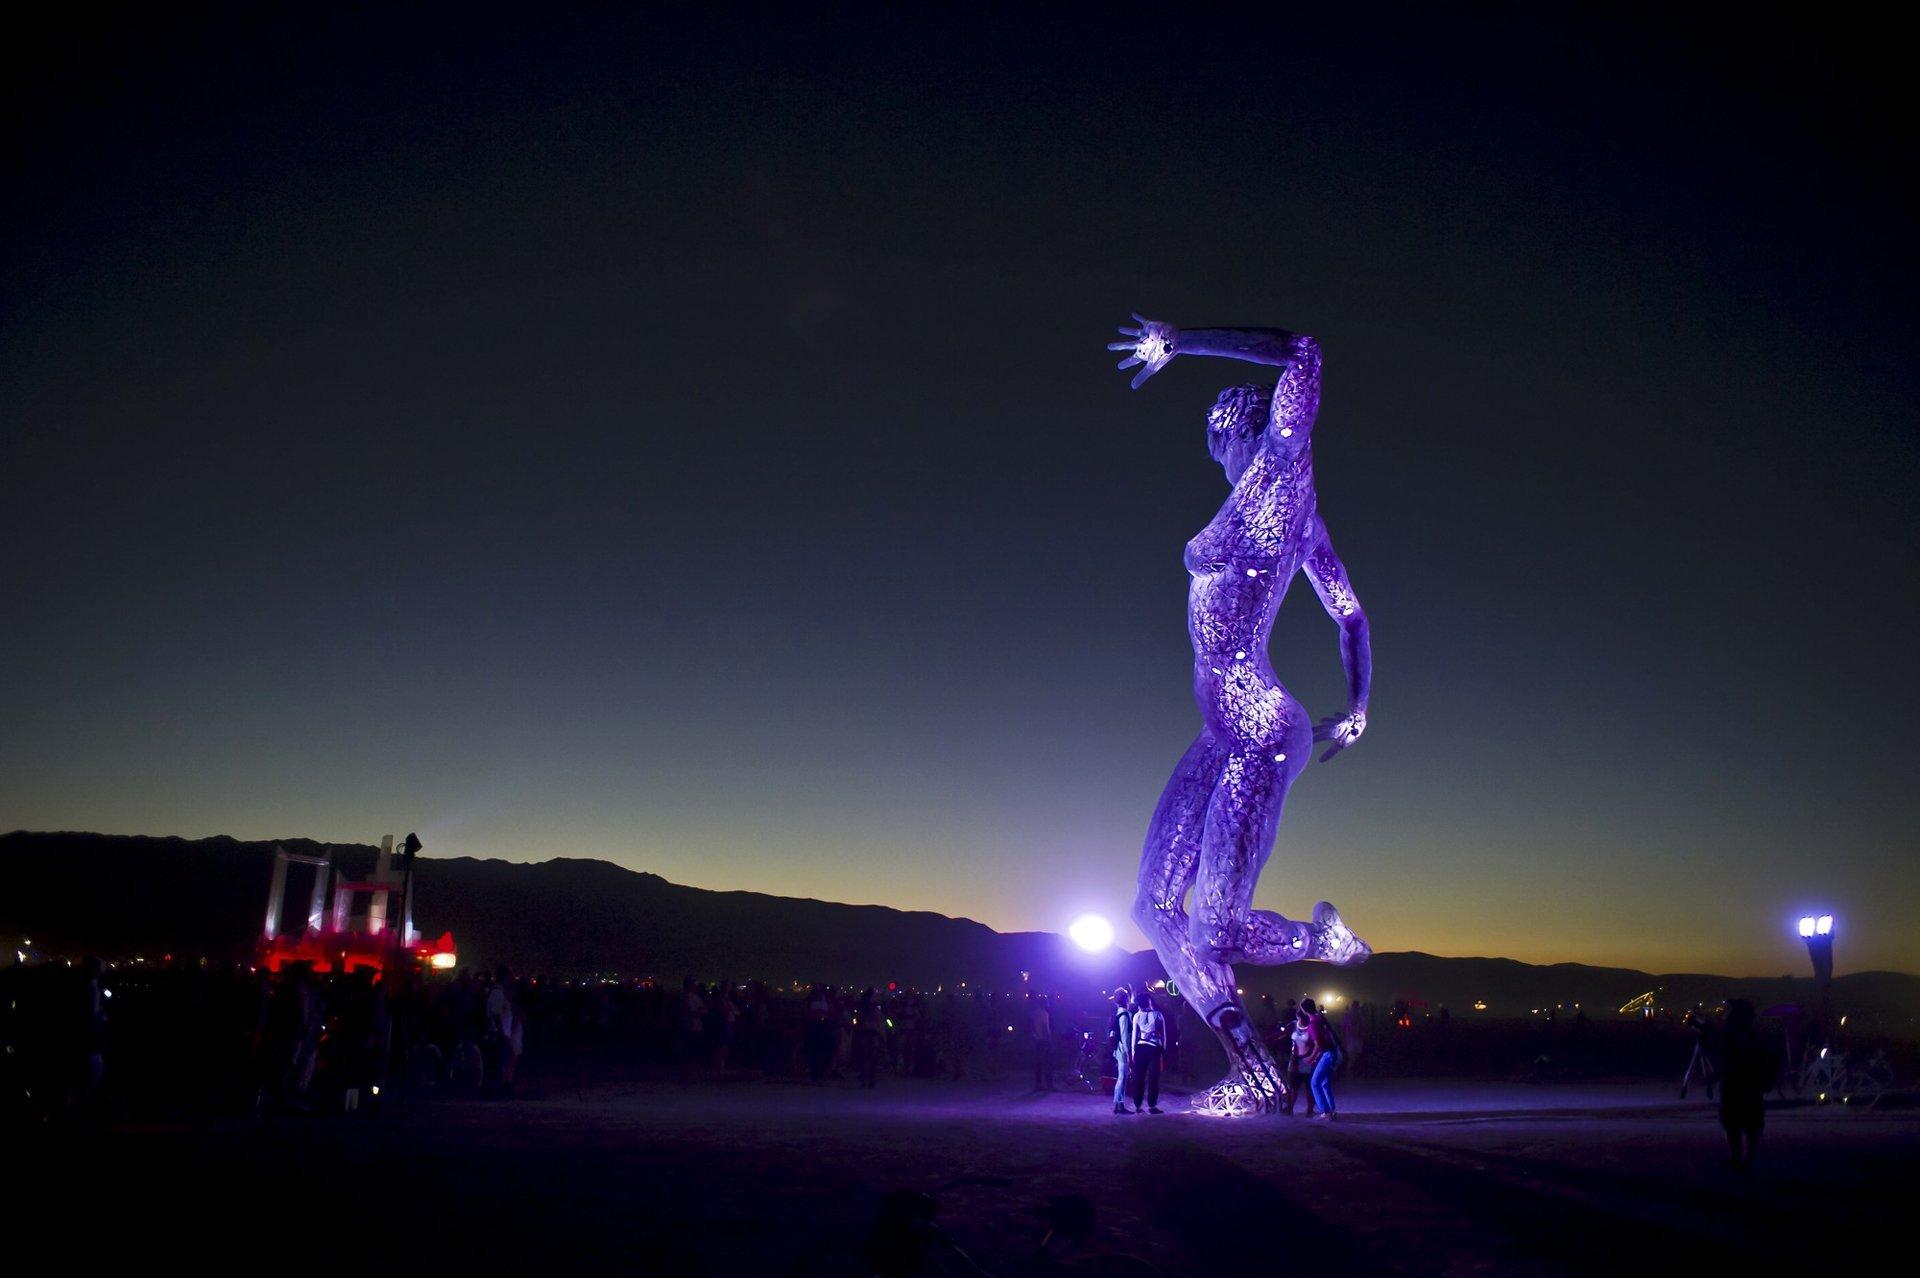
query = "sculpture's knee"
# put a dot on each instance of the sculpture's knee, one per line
(1216, 936)
(1153, 917)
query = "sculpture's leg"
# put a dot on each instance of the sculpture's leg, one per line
(1243, 816)
(1169, 863)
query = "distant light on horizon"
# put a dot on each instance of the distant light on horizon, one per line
(1091, 933)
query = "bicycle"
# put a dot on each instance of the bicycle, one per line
(1830, 1076)
(1090, 1070)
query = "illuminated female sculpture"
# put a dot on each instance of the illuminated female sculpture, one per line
(1216, 821)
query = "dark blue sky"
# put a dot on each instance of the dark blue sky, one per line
(683, 435)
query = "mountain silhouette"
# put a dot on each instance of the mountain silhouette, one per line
(127, 895)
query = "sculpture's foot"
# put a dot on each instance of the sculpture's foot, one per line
(1232, 1098)
(1256, 1086)
(1330, 940)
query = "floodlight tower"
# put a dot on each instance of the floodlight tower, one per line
(1817, 931)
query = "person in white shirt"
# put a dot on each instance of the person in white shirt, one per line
(1149, 1045)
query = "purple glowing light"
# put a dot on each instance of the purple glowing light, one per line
(1091, 933)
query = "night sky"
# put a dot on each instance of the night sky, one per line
(684, 436)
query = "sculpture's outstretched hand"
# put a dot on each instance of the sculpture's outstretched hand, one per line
(1343, 732)
(1150, 345)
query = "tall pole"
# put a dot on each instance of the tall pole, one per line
(1817, 931)
(400, 987)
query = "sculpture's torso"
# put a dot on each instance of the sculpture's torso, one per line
(1241, 564)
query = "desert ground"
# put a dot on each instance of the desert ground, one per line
(588, 1168)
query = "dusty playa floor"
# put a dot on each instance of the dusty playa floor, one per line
(649, 1177)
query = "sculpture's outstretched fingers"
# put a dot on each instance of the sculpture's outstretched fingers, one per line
(1330, 940)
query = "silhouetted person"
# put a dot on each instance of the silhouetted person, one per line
(1747, 1068)
(1040, 1035)
(821, 1034)
(1353, 1035)
(91, 1035)
(866, 1039)
(689, 1027)
(496, 1039)
(293, 1036)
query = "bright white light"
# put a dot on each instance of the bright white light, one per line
(443, 961)
(1806, 925)
(1091, 933)
(1825, 925)
(1329, 998)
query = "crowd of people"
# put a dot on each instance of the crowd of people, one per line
(84, 1038)
(823, 1032)
(222, 1037)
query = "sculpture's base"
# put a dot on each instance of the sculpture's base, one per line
(1231, 1098)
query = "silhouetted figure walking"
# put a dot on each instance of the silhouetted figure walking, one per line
(1747, 1068)
(1040, 1033)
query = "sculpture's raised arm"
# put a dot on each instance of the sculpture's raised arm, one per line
(1329, 577)
(1153, 345)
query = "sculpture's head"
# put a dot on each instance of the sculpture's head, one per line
(1234, 426)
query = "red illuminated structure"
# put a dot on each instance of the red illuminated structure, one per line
(357, 933)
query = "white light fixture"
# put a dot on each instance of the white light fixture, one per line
(1091, 933)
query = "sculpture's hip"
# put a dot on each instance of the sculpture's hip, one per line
(1244, 705)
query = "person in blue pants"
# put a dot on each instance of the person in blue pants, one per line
(1120, 1040)
(1326, 1059)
